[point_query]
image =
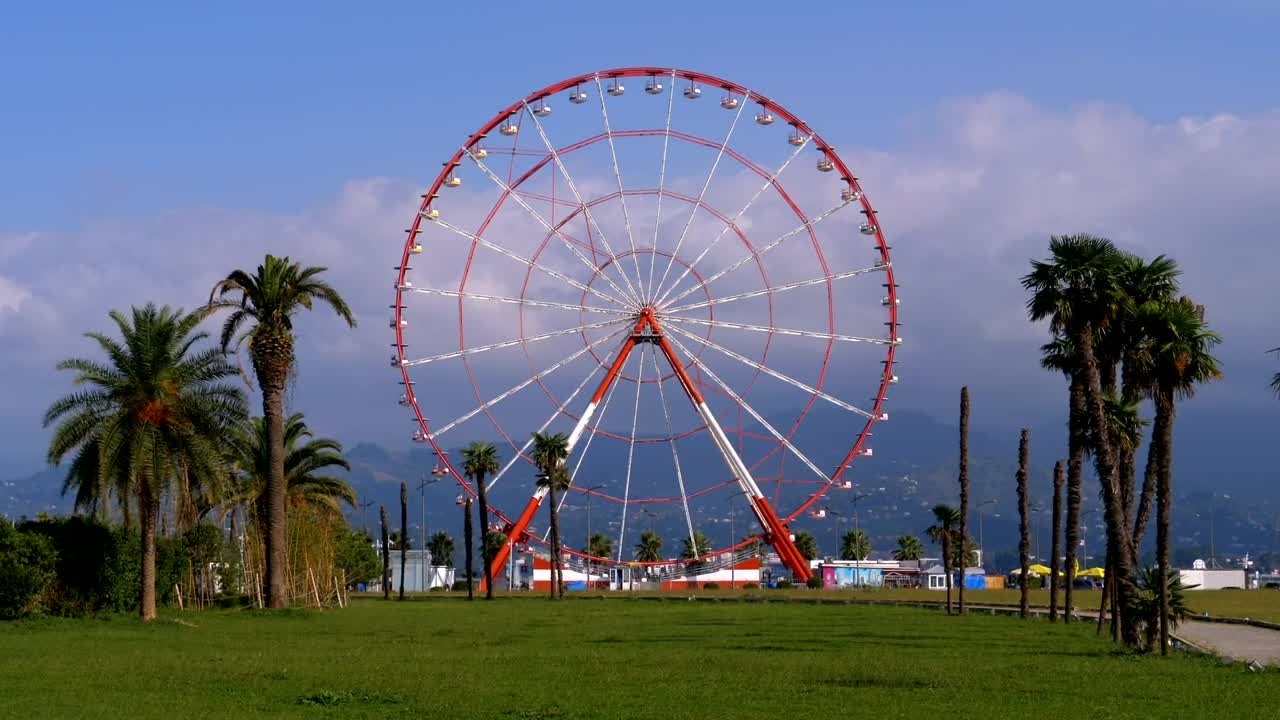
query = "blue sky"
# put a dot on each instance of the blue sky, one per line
(182, 140)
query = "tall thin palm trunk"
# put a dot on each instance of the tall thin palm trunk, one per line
(557, 562)
(467, 533)
(1164, 503)
(386, 554)
(1076, 441)
(486, 558)
(964, 486)
(1055, 549)
(147, 511)
(277, 527)
(1024, 530)
(404, 532)
(1118, 538)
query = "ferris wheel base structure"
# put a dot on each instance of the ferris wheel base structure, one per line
(647, 330)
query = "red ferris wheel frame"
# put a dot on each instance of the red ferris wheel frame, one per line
(647, 329)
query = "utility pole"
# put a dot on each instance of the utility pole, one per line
(588, 547)
(426, 554)
(1037, 509)
(982, 547)
(364, 515)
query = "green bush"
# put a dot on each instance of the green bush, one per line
(98, 568)
(750, 586)
(784, 584)
(711, 586)
(814, 583)
(27, 570)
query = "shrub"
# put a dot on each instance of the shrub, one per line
(784, 584)
(27, 570)
(460, 585)
(750, 586)
(711, 586)
(814, 583)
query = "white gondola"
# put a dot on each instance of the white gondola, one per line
(416, 249)
(818, 514)
(431, 214)
(542, 109)
(885, 301)
(479, 153)
(866, 452)
(419, 436)
(844, 485)
(406, 285)
(883, 417)
(653, 87)
(440, 471)
(508, 128)
(867, 229)
(796, 139)
(729, 102)
(577, 97)
(452, 181)
(616, 87)
(395, 361)
(850, 195)
(893, 379)
(764, 117)
(404, 401)
(693, 92)
(460, 500)
(403, 323)
(826, 164)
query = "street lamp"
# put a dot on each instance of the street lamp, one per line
(982, 547)
(1036, 509)
(424, 578)
(588, 491)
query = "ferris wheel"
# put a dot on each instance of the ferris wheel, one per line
(677, 273)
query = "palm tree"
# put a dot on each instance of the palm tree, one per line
(305, 456)
(1077, 291)
(404, 532)
(695, 548)
(964, 480)
(441, 547)
(268, 299)
(479, 460)
(468, 547)
(1055, 549)
(1024, 531)
(1124, 426)
(649, 549)
(855, 545)
(909, 548)
(1181, 360)
(599, 545)
(549, 453)
(1157, 615)
(807, 545)
(1059, 354)
(156, 408)
(945, 527)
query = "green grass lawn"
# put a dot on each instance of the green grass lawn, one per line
(529, 658)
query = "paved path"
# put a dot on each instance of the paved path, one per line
(1242, 642)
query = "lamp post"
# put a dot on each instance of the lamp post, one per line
(1036, 509)
(364, 515)
(588, 491)
(425, 578)
(982, 547)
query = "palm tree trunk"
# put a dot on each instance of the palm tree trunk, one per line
(1076, 440)
(1119, 546)
(386, 555)
(554, 525)
(276, 534)
(485, 556)
(946, 565)
(467, 533)
(1024, 531)
(964, 487)
(1106, 593)
(1150, 480)
(404, 532)
(1164, 503)
(1055, 549)
(147, 510)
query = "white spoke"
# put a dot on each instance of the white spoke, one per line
(521, 385)
(555, 414)
(773, 373)
(564, 172)
(750, 411)
(675, 455)
(767, 184)
(509, 343)
(662, 179)
(777, 331)
(622, 196)
(631, 450)
(766, 291)
(706, 184)
(808, 224)
(483, 242)
(549, 227)
(518, 301)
